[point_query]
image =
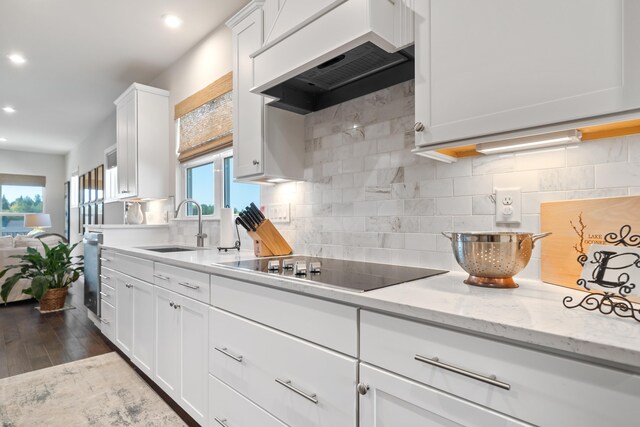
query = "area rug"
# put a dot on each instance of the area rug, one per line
(99, 391)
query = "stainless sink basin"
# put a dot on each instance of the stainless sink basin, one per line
(165, 249)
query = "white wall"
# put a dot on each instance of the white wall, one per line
(50, 165)
(90, 153)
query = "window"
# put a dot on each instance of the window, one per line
(16, 201)
(209, 181)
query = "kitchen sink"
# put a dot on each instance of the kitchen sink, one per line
(169, 249)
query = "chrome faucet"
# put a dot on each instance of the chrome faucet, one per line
(200, 236)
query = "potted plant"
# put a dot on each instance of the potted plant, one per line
(50, 273)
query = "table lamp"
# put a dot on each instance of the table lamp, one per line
(37, 222)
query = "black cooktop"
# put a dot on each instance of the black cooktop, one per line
(349, 275)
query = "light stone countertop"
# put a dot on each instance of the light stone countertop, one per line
(532, 314)
(123, 226)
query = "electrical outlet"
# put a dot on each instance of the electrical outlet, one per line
(508, 205)
(279, 213)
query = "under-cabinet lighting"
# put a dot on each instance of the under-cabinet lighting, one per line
(3, 139)
(9, 109)
(529, 142)
(548, 150)
(172, 21)
(17, 59)
(432, 154)
(277, 180)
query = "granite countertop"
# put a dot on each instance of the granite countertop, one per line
(532, 314)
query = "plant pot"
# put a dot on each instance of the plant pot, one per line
(54, 299)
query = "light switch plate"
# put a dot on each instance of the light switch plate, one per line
(508, 205)
(279, 213)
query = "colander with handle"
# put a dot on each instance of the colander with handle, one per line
(492, 258)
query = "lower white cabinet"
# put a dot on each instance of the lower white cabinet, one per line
(391, 400)
(300, 383)
(181, 337)
(124, 314)
(107, 320)
(228, 408)
(134, 321)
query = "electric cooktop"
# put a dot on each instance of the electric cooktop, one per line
(354, 276)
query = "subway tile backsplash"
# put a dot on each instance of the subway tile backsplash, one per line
(367, 197)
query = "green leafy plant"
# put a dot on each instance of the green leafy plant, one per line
(56, 268)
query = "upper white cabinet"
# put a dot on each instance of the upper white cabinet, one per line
(142, 121)
(268, 143)
(498, 66)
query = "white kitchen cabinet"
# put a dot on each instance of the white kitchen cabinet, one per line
(134, 321)
(142, 349)
(391, 400)
(499, 66)
(181, 338)
(142, 136)
(124, 314)
(268, 143)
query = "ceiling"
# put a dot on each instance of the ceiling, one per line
(81, 55)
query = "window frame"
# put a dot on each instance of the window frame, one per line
(22, 214)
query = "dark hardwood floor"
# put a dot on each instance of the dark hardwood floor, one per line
(30, 340)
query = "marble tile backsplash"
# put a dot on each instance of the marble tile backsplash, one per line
(366, 197)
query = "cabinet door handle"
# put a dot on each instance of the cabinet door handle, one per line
(489, 380)
(287, 384)
(125, 191)
(104, 294)
(226, 352)
(102, 276)
(222, 422)
(174, 305)
(105, 259)
(160, 276)
(188, 285)
(362, 388)
(105, 321)
(256, 163)
(418, 127)
(128, 285)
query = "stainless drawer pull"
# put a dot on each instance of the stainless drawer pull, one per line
(189, 285)
(226, 353)
(105, 321)
(160, 276)
(489, 380)
(102, 276)
(222, 422)
(104, 294)
(287, 384)
(174, 305)
(128, 285)
(105, 259)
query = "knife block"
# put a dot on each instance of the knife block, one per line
(267, 241)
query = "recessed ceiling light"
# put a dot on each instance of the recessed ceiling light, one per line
(3, 139)
(172, 21)
(17, 59)
(8, 109)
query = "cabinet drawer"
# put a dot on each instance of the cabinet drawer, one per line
(108, 276)
(108, 294)
(326, 323)
(466, 363)
(107, 320)
(299, 383)
(193, 284)
(228, 408)
(135, 267)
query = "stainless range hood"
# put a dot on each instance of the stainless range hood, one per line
(307, 68)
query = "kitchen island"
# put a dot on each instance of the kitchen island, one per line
(490, 354)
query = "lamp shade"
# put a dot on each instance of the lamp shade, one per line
(37, 220)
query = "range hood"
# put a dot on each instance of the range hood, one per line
(345, 50)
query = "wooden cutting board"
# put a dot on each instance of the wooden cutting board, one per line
(576, 224)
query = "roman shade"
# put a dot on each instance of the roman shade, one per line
(25, 180)
(205, 120)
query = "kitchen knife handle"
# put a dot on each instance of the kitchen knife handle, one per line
(258, 212)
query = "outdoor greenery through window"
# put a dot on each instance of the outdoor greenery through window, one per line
(18, 200)
(209, 181)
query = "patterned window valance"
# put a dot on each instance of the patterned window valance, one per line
(206, 119)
